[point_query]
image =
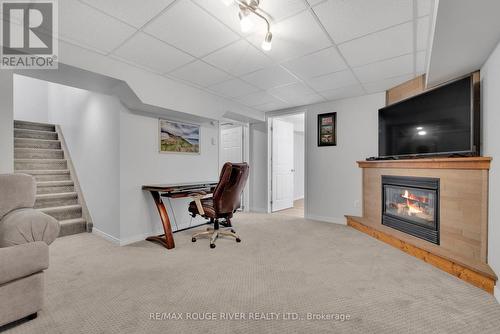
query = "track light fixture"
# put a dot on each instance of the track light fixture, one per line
(247, 8)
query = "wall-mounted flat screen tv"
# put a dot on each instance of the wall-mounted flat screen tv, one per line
(440, 121)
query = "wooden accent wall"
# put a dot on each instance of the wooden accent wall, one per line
(405, 90)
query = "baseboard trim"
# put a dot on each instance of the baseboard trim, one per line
(339, 221)
(496, 292)
(105, 236)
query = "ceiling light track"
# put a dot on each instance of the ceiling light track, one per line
(247, 8)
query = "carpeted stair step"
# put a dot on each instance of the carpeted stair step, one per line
(40, 164)
(35, 134)
(55, 200)
(64, 212)
(37, 143)
(55, 187)
(34, 126)
(48, 175)
(36, 153)
(72, 226)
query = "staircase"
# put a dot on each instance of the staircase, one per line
(39, 150)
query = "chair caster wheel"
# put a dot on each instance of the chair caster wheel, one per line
(193, 239)
(238, 240)
(212, 245)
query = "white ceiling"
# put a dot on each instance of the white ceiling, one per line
(322, 49)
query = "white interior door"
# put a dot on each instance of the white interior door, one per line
(231, 149)
(282, 165)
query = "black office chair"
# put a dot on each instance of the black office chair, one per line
(223, 204)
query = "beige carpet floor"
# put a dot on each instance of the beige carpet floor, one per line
(284, 265)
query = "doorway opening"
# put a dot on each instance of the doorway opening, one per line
(288, 164)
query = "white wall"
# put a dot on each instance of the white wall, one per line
(90, 125)
(32, 99)
(298, 163)
(333, 179)
(490, 102)
(6, 122)
(141, 163)
(258, 167)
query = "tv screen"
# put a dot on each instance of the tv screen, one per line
(439, 121)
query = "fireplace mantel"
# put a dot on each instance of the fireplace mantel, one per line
(433, 163)
(463, 213)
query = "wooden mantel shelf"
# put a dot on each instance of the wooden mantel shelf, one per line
(432, 163)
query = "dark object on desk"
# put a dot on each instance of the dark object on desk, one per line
(225, 202)
(181, 190)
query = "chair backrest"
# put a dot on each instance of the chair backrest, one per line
(17, 191)
(227, 194)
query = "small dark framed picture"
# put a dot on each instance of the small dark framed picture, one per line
(327, 129)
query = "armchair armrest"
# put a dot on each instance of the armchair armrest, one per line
(27, 225)
(23, 260)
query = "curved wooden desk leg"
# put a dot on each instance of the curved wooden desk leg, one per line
(168, 239)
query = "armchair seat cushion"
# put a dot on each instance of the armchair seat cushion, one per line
(27, 225)
(208, 207)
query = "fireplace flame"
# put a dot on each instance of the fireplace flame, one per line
(413, 208)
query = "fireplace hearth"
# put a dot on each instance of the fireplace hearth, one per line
(411, 205)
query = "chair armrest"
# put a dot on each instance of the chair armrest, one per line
(197, 196)
(27, 225)
(23, 260)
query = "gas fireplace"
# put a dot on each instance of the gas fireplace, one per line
(411, 205)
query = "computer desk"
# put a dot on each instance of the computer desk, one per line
(178, 190)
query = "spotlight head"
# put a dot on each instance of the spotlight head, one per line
(267, 42)
(246, 22)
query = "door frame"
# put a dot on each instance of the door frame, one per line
(269, 121)
(246, 155)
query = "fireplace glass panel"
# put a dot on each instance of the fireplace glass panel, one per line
(411, 204)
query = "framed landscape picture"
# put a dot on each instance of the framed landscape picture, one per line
(176, 137)
(327, 129)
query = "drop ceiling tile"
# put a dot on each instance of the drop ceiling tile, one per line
(136, 13)
(332, 81)
(226, 14)
(346, 20)
(315, 2)
(317, 63)
(343, 93)
(422, 33)
(385, 69)
(191, 29)
(233, 88)
(149, 52)
(292, 92)
(383, 85)
(280, 9)
(258, 98)
(88, 27)
(420, 62)
(293, 37)
(200, 73)
(269, 77)
(385, 44)
(424, 7)
(239, 58)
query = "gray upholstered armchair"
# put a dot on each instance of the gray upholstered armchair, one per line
(25, 234)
